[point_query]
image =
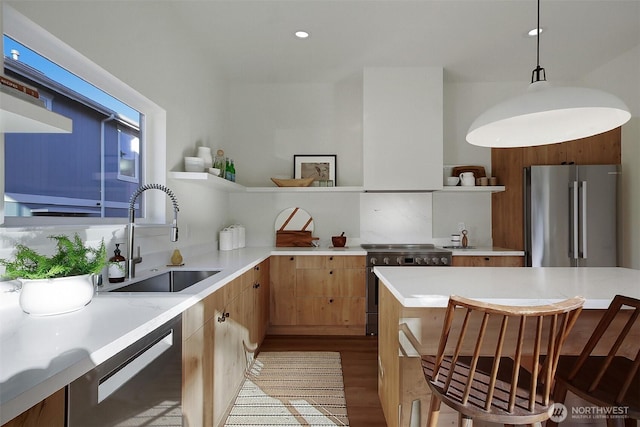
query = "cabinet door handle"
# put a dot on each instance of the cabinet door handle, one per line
(256, 285)
(291, 259)
(331, 272)
(223, 317)
(487, 258)
(330, 258)
(330, 300)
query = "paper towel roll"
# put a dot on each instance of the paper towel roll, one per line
(225, 240)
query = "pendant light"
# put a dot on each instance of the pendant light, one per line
(547, 114)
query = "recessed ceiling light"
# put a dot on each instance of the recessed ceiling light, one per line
(301, 34)
(535, 31)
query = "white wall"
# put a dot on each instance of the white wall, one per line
(621, 78)
(269, 123)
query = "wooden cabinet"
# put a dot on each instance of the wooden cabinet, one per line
(221, 335)
(50, 412)
(508, 163)
(403, 125)
(321, 295)
(487, 261)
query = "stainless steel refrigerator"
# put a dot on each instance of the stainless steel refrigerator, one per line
(570, 215)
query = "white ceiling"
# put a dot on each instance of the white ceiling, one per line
(474, 40)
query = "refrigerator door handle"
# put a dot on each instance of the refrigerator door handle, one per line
(583, 220)
(573, 227)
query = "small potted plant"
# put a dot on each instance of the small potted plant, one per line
(60, 283)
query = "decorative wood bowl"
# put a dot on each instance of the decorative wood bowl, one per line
(304, 182)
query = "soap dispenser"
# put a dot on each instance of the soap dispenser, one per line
(117, 266)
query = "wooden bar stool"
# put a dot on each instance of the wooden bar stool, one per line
(479, 371)
(611, 382)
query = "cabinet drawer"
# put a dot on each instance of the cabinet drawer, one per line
(330, 282)
(330, 311)
(487, 261)
(330, 261)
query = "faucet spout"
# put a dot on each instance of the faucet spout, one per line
(132, 261)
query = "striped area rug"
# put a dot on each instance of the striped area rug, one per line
(292, 388)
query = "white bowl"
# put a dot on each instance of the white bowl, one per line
(214, 171)
(193, 164)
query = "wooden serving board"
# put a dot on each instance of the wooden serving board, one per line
(285, 238)
(478, 171)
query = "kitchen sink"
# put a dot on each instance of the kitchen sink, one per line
(171, 281)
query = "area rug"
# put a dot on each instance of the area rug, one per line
(292, 388)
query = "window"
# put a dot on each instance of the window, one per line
(91, 172)
(151, 137)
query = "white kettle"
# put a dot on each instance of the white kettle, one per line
(467, 179)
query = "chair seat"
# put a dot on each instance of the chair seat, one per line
(474, 408)
(609, 386)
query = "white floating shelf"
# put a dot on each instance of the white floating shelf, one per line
(473, 189)
(20, 116)
(215, 181)
(305, 189)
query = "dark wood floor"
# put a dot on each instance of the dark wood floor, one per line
(359, 367)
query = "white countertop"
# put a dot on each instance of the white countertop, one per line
(40, 355)
(486, 251)
(431, 286)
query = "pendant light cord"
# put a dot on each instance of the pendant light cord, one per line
(538, 73)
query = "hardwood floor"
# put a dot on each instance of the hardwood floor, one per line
(359, 367)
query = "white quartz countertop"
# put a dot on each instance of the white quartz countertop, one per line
(40, 355)
(431, 286)
(486, 251)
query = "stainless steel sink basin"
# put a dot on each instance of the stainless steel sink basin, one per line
(171, 281)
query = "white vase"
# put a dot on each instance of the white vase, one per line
(205, 154)
(46, 297)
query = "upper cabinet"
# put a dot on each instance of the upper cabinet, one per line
(402, 128)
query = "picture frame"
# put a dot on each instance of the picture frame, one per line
(321, 167)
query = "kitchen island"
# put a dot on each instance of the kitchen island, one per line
(413, 301)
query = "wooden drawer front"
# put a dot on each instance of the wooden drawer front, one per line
(235, 288)
(330, 311)
(330, 261)
(330, 282)
(487, 261)
(282, 290)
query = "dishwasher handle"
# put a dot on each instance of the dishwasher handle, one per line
(122, 374)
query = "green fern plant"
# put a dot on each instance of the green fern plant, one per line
(72, 258)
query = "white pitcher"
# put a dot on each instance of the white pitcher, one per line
(467, 178)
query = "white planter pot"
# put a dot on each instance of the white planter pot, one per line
(47, 297)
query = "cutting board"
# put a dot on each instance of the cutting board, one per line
(478, 171)
(294, 228)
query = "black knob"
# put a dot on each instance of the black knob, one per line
(331, 272)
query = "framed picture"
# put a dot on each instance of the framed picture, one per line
(320, 167)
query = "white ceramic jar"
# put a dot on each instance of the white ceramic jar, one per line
(205, 154)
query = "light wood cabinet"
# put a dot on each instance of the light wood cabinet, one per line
(487, 261)
(507, 164)
(318, 295)
(50, 412)
(221, 335)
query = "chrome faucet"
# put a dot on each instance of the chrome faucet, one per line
(132, 261)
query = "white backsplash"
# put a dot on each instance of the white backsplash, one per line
(396, 217)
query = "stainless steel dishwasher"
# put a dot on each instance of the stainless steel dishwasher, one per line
(140, 386)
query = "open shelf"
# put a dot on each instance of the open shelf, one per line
(473, 189)
(20, 116)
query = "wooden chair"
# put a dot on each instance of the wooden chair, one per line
(611, 381)
(492, 384)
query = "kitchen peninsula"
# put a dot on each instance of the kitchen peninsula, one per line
(413, 301)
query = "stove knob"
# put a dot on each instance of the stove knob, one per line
(434, 261)
(386, 260)
(399, 260)
(444, 260)
(374, 261)
(418, 260)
